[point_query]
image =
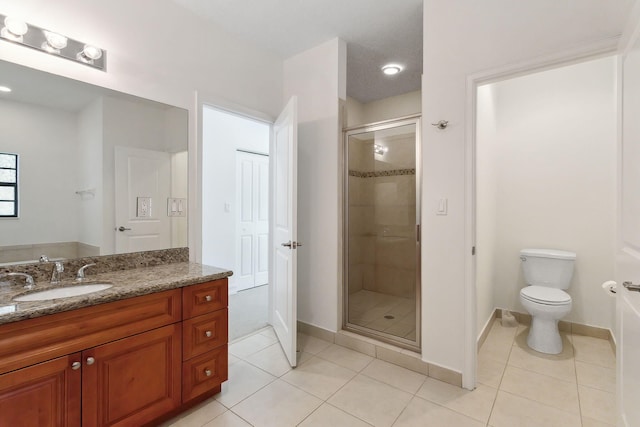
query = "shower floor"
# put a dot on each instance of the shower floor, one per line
(385, 313)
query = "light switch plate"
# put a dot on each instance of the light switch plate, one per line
(143, 207)
(176, 206)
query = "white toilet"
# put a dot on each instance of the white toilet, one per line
(547, 272)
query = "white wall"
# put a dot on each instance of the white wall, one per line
(487, 163)
(45, 141)
(383, 109)
(317, 77)
(554, 166)
(222, 135)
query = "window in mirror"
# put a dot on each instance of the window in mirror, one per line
(8, 185)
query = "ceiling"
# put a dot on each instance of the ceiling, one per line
(376, 32)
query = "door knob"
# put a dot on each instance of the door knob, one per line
(122, 228)
(291, 245)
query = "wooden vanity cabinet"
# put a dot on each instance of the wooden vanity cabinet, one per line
(115, 364)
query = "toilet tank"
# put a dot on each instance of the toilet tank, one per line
(547, 267)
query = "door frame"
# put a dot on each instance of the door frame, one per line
(415, 119)
(588, 52)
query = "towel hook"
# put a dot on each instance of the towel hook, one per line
(442, 124)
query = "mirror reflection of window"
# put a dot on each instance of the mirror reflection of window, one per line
(8, 185)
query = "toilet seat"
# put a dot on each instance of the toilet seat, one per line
(546, 296)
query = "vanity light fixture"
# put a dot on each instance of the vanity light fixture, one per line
(19, 32)
(380, 149)
(392, 69)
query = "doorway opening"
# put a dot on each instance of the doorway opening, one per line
(235, 212)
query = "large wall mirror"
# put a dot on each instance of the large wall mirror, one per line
(99, 172)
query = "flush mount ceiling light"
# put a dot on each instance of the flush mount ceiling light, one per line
(392, 69)
(53, 43)
(380, 149)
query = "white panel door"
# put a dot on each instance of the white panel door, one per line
(628, 259)
(142, 186)
(282, 224)
(252, 222)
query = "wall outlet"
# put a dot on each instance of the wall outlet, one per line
(143, 207)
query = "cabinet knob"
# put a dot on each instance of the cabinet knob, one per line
(208, 298)
(207, 372)
(208, 334)
(90, 360)
(76, 365)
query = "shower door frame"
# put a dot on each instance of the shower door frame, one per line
(414, 119)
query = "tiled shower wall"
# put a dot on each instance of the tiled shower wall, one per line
(382, 218)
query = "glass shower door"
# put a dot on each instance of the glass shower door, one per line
(382, 292)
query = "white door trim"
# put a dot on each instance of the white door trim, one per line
(592, 51)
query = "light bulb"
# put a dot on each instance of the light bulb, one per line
(15, 26)
(391, 69)
(92, 52)
(5, 89)
(55, 40)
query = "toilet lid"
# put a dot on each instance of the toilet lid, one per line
(544, 295)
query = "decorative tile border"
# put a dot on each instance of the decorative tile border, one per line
(376, 174)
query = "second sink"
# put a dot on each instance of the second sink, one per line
(65, 292)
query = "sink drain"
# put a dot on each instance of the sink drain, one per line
(388, 316)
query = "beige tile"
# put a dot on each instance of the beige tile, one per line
(590, 331)
(490, 371)
(593, 350)
(228, 419)
(597, 404)
(252, 344)
(269, 333)
(271, 359)
(446, 375)
(304, 357)
(559, 366)
(510, 410)
(317, 332)
(199, 415)
(311, 344)
(356, 344)
(394, 375)
(319, 377)
(345, 357)
(476, 404)
(278, 404)
(244, 380)
(590, 422)
(497, 348)
(370, 400)
(421, 413)
(398, 357)
(233, 359)
(541, 388)
(595, 376)
(327, 415)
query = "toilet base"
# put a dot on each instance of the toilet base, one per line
(544, 336)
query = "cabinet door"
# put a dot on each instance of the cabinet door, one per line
(132, 381)
(46, 394)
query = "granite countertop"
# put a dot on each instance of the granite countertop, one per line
(126, 284)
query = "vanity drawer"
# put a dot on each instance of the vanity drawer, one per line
(204, 298)
(204, 333)
(204, 373)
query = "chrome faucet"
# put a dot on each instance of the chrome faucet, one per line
(55, 274)
(27, 277)
(80, 275)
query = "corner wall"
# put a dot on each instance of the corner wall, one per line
(317, 77)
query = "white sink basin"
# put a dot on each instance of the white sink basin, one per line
(66, 292)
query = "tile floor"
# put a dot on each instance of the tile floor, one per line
(381, 312)
(337, 387)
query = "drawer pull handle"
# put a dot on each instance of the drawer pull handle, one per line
(90, 360)
(76, 365)
(207, 372)
(208, 298)
(208, 334)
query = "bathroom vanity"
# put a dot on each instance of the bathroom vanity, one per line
(145, 349)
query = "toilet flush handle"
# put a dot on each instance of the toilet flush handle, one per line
(630, 286)
(523, 259)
